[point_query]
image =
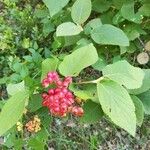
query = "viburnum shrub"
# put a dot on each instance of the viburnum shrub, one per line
(59, 100)
(72, 60)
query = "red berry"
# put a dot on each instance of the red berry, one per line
(45, 82)
(77, 111)
(51, 91)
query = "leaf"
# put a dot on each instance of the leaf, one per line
(128, 6)
(34, 143)
(12, 89)
(145, 85)
(101, 5)
(139, 110)
(92, 24)
(54, 7)
(110, 35)
(125, 74)
(49, 64)
(85, 92)
(144, 10)
(78, 60)
(145, 98)
(12, 111)
(81, 10)
(117, 104)
(92, 112)
(133, 31)
(68, 29)
(100, 64)
(35, 103)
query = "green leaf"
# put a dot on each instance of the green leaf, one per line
(49, 64)
(101, 5)
(139, 110)
(145, 10)
(145, 85)
(100, 64)
(12, 89)
(145, 98)
(111, 35)
(133, 31)
(85, 92)
(35, 103)
(117, 104)
(36, 144)
(92, 112)
(78, 60)
(68, 29)
(12, 111)
(92, 24)
(54, 7)
(125, 74)
(81, 10)
(128, 6)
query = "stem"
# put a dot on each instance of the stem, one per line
(93, 81)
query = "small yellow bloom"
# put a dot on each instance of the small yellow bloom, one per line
(19, 126)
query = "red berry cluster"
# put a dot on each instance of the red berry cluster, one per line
(59, 100)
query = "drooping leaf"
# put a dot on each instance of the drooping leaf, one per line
(92, 112)
(125, 74)
(145, 98)
(139, 110)
(12, 111)
(68, 29)
(54, 7)
(81, 10)
(117, 104)
(78, 60)
(111, 35)
(49, 64)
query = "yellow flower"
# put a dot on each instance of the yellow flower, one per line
(19, 126)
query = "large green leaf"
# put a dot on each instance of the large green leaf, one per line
(139, 110)
(145, 85)
(12, 111)
(54, 7)
(145, 98)
(128, 6)
(81, 10)
(68, 29)
(49, 64)
(117, 104)
(92, 112)
(78, 60)
(125, 74)
(111, 35)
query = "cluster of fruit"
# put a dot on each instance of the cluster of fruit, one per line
(59, 100)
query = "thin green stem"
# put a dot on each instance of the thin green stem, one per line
(93, 81)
